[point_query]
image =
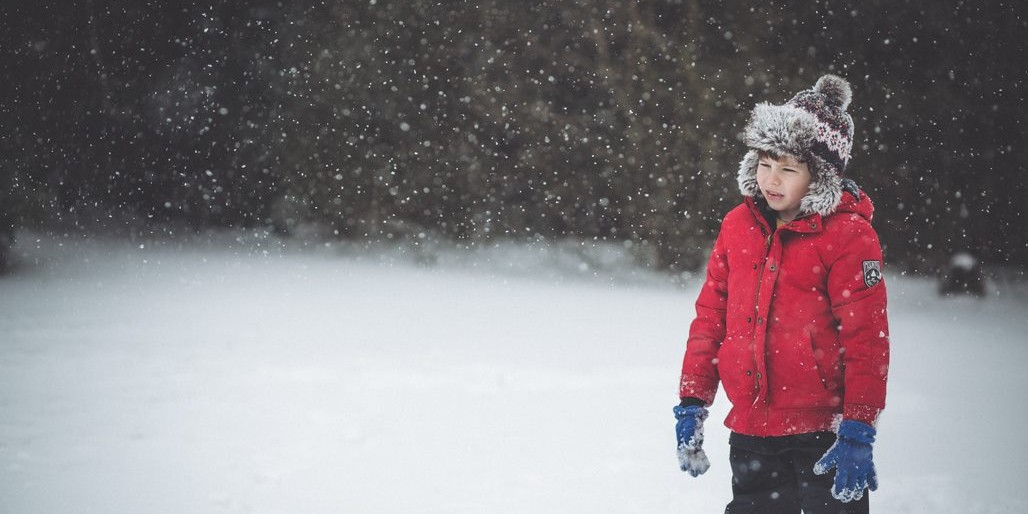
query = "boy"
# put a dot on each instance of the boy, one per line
(792, 319)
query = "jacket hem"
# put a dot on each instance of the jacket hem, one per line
(782, 422)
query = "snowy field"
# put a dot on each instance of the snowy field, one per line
(137, 378)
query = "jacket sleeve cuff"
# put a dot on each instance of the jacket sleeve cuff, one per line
(692, 402)
(703, 388)
(864, 413)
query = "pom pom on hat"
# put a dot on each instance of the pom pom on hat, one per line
(835, 89)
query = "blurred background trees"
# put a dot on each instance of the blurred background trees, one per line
(466, 121)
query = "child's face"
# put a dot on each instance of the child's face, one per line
(783, 181)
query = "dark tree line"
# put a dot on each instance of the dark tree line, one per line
(475, 120)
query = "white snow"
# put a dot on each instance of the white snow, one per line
(141, 377)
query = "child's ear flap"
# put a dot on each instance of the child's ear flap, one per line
(825, 188)
(747, 176)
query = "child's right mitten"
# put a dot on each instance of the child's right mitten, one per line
(689, 429)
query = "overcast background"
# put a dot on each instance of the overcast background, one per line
(422, 123)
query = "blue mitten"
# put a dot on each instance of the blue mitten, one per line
(851, 458)
(691, 457)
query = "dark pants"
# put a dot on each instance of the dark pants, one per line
(774, 475)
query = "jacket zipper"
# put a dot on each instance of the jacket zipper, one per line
(756, 302)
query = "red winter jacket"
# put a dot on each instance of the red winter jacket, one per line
(793, 322)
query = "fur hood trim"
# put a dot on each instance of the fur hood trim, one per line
(825, 186)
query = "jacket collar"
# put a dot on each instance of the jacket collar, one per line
(858, 204)
(805, 223)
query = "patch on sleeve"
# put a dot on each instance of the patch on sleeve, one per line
(872, 273)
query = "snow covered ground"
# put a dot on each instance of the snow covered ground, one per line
(198, 379)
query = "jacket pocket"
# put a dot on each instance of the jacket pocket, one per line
(736, 367)
(796, 378)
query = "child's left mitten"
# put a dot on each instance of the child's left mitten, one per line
(852, 458)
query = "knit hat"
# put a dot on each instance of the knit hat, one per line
(814, 127)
